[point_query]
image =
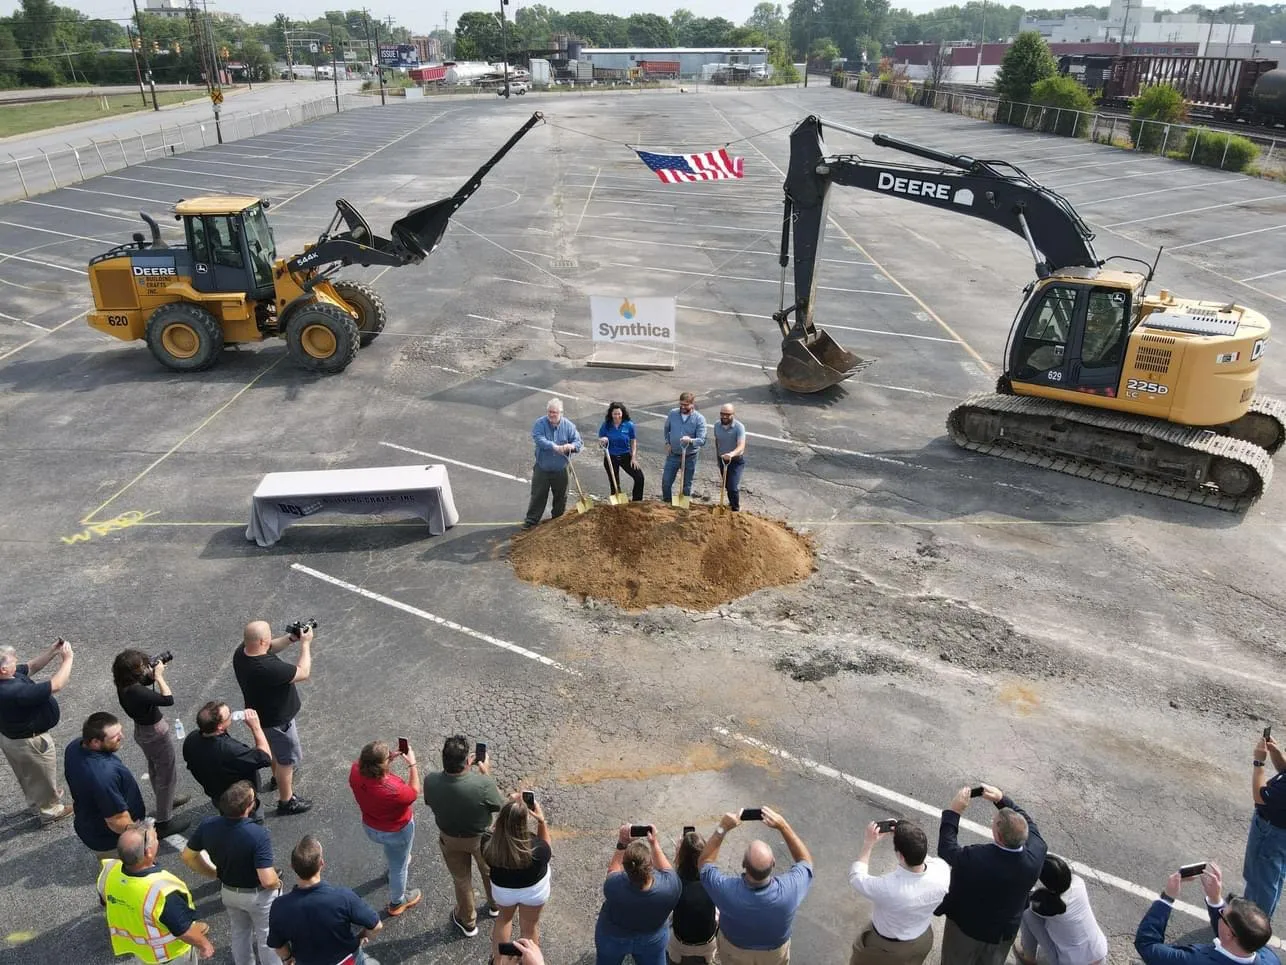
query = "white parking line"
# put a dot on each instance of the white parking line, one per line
(911, 804)
(1144, 194)
(1208, 207)
(96, 214)
(1267, 274)
(433, 618)
(64, 234)
(455, 462)
(731, 251)
(1239, 234)
(765, 281)
(44, 264)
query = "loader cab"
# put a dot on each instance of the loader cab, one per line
(1072, 333)
(231, 245)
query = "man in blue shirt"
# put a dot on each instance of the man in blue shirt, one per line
(685, 434)
(756, 908)
(556, 440)
(28, 712)
(1265, 866)
(1240, 926)
(240, 857)
(106, 796)
(730, 447)
(314, 923)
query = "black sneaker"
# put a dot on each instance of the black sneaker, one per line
(173, 826)
(493, 911)
(271, 785)
(466, 931)
(296, 805)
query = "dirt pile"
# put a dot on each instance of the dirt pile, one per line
(650, 554)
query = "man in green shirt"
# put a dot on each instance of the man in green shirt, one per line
(463, 796)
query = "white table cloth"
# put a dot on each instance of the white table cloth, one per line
(287, 497)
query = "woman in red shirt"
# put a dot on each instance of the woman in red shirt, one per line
(386, 802)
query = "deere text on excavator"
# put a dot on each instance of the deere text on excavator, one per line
(226, 284)
(1100, 379)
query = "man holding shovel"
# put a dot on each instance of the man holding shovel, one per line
(730, 445)
(556, 440)
(685, 434)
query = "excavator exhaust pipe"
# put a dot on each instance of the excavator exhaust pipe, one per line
(811, 363)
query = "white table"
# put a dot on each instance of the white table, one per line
(287, 497)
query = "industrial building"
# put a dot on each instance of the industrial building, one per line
(1131, 23)
(691, 60)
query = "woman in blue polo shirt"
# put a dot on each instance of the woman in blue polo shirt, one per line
(620, 448)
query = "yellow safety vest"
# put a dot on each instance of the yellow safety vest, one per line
(133, 912)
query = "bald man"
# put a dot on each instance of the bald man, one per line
(756, 908)
(268, 687)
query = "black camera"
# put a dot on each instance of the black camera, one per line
(297, 628)
(163, 657)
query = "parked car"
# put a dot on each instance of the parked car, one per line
(515, 87)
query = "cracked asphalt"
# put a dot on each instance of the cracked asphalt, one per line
(1107, 658)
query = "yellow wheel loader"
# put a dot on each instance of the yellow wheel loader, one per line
(226, 284)
(1100, 379)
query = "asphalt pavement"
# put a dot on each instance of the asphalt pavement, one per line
(1108, 658)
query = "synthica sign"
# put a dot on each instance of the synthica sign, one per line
(619, 318)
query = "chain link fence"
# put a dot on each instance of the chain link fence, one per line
(23, 176)
(1216, 148)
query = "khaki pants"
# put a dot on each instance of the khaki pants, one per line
(248, 915)
(730, 954)
(162, 764)
(680, 953)
(959, 949)
(459, 855)
(871, 948)
(35, 763)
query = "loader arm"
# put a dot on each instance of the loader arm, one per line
(990, 190)
(412, 238)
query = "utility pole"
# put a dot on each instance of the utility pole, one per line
(133, 39)
(147, 66)
(290, 64)
(334, 70)
(379, 64)
(374, 58)
(1120, 49)
(504, 45)
(982, 43)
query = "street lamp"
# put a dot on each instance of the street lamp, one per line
(504, 45)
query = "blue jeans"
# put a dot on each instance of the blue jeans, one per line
(732, 480)
(672, 469)
(397, 851)
(646, 949)
(1265, 866)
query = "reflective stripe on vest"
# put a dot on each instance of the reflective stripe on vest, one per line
(132, 921)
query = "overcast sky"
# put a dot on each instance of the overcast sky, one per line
(429, 14)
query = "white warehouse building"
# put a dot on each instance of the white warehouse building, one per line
(691, 59)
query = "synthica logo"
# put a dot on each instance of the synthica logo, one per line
(628, 310)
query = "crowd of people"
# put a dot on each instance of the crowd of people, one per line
(1008, 895)
(684, 436)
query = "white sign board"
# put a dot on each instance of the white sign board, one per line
(620, 319)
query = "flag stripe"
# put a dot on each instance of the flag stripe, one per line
(687, 168)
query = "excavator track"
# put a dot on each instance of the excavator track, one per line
(1132, 452)
(1263, 425)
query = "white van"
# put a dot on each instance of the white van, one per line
(325, 72)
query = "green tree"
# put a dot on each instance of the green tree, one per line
(257, 59)
(1067, 105)
(822, 51)
(1027, 62)
(745, 37)
(649, 30)
(709, 32)
(768, 19)
(681, 23)
(482, 33)
(33, 28)
(466, 48)
(1160, 103)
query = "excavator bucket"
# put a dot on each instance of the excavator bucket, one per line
(420, 231)
(816, 362)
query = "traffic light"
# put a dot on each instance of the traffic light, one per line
(178, 47)
(329, 49)
(223, 52)
(134, 44)
(156, 47)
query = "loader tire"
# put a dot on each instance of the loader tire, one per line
(184, 337)
(322, 338)
(370, 308)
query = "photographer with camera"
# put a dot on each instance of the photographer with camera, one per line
(28, 712)
(142, 690)
(268, 687)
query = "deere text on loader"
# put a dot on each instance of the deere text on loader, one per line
(226, 283)
(1100, 379)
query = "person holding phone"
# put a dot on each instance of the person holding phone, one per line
(1241, 929)
(388, 817)
(620, 449)
(989, 882)
(1059, 921)
(640, 892)
(519, 865)
(695, 923)
(28, 712)
(756, 909)
(463, 797)
(900, 931)
(520, 952)
(1264, 867)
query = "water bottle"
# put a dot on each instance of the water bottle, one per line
(179, 732)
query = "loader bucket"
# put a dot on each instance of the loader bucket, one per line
(420, 231)
(811, 364)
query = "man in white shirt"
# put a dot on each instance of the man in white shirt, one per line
(900, 931)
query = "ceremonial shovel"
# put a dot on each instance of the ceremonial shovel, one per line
(678, 500)
(617, 498)
(721, 509)
(584, 504)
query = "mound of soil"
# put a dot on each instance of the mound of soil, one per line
(650, 554)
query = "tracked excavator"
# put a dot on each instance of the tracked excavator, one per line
(226, 284)
(1100, 379)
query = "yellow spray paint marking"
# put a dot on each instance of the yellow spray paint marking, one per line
(123, 521)
(19, 937)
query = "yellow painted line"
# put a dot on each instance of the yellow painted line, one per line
(178, 445)
(887, 274)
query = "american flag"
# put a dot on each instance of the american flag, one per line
(706, 166)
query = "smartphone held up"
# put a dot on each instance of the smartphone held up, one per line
(884, 827)
(403, 746)
(752, 814)
(1192, 870)
(529, 799)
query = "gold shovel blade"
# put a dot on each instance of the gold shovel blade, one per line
(584, 504)
(680, 501)
(618, 499)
